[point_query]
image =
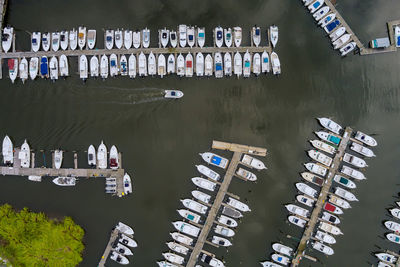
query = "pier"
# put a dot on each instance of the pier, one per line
(107, 251)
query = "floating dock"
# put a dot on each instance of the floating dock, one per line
(107, 251)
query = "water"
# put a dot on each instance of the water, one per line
(160, 139)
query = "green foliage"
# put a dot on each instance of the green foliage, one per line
(31, 239)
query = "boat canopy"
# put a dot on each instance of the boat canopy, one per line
(257, 31)
(201, 34)
(216, 160)
(11, 63)
(265, 60)
(218, 66)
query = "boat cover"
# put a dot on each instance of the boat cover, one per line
(113, 162)
(11, 63)
(247, 64)
(334, 139)
(112, 63)
(43, 69)
(216, 160)
(265, 60)
(190, 37)
(108, 38)
(329, 207)
(257, 31)
(201, 34)
(189, 64)
(218, 66)
(34, 41)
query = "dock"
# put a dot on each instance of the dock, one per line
(107, 251)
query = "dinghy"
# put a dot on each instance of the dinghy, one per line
(161, 66)
(35, 41)
(94, 66)
(142, 65)
(204, 183)
(113, 65)
(326, 216)
(114, 162)
(330, 125)
(355, 161)
(82, 37)
(317, 4)
(237, 36)
(323, 146)
(280, 259)
(328, 137)
(352, 173)
(218, 36)
(180, 65)
(109, 39)
(46, 41)
(274, 34)
(173, 40)
(228, 37)
(7, 38)
(182, 35)
(118, 39)
(121, 249)
(64, 40)
(44, 67)
(127, 184)
(339, 202)
(83, 67)
(23, 70)
(123, 63)
(73, 39)
(102, 156)
(186, 228)
(203, 197)
(194, 205)
(190, 36)
(33, 67)
(213, 262)
(337, 33)
(322, 248)
(189, 215)
(63, 63)
(53, 68)
(344, 181)
(199, 64)
(306, 200)
(220, 241)
(276, 64)
(269, 264)
(104, 67)
(171, 64)
(125, 229)
(306, 189)
(128, 39)
(315, 168)
(348, 48)
(341, 41)
(245, 174)
(362, 150)
(282, 249)
(330, 228)
(312, 178)
(393, 238)
(237, 67)
(55, 41)
(219, 71)
(7, 151)
(366, 139)
(256, 34)
(297, 221)
(215, 160)
(177, 248)
(189, 65)
(173, 94)
(91, 156)
(252, 162)
(227, 64)
(136, 39)
(265, 66)
(164, 37)
(91, 38)
(345, 194)
(171, 257)
(324, 237)
(182, 238)
(393, 226)
(225, 220)
(224, 231)
(323, 11)
(256, 64)
(332, 208)
(234, 203)
(297, 210)
(395, 212)
(119, 258)
(151, 64)
(58, 158)
(231, 212)
(208, 172)
(208, 65)
(386, 257)
(65, 181)
(201, 36)
(320, 157)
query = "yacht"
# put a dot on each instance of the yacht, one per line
(296, 210)
(73, 39)
(256, 64)
(224, 231)
(328, 137)
(125, 229)
(320, 157)
(231, 212)
(33, 67)
(228, 37)
(126, 240)
(109, 39)
(393, 226)
(218, 36)
(339, 202)
(347, 48)
(171, 257)
(269, 264)
(337, 33)
(132, 66)
(213, 262)
(81, 37)
(102, 156)
(191, 39)
(91, 38)
(393, 237)
(322, 248)
(225, 220)
(182, 35)
(189, 65)
(362, 150)
(186, 228)
(330, 228)
(323, 146)
(282, 249)
(386, 257)
(121, 249)
(237, 36)
(177, 248)
(7, 38)
(199, 64)
(317, 4)
(83, 67)
(171, 64)
(55, 41)
(63, 66)
(194, 205)
(65, 181)
(316, 168)
(345, 194)
(245, 174)
(252, 162)
(297, 221)
(104, 67)
(208, 65)
(208, 172)
(53, 68)
(352, 173)
(237, 64)
(215, 160)
(220, 241)
(332, 208)
(246, 64)
(201, 36)
(306, 189)
(203, 197)
(306, 200)
(234, 203)
(341, 41)
(92, 156)
(366, 139)
(312, 178)
(280, 259)
(395, 212)
(35, 40)
(23, 69)
(180, 65)
(328, 217)
(181, 238)
(7, 151)
(189, 215)
(58, 158)
(128, 39)
(219, 71)
(323, 11)
(324, 237)
(94, 66)
(344, 181)
(114, 162)
(64, 40)
(355, 161)
(256, 34)
(204, 183)
(274, 34)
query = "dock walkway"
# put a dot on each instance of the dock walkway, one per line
(107, 251)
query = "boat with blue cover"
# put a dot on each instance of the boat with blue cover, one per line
(331, 26)
(397, 35)
(317, 4)
(215, 160)
(44, 67)
(189, 215)
(328, 137)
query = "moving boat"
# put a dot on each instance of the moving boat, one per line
(324, 237)
(189, 215)
(234, 203)
(332, 208)
(276, 64)
(91, 38)
(113, 65)
(171, 257)
(199, 64)
(213, 262)
(386, 257)
(337, 33)
(177, 248)
(182, 35)
(73, 39)
(256, 33)
(173, 94)
(7, 151)
(237, 36)
(256, 64)
(227, 64)
(125, 229)
(265, 66)
(58, 158)
(317, 4)
(208, 172)
(297, 221)
(322, 248)
(104, 67)
(323, 11)
(186, 228)
(341, 41)
(344, 181)
(164, 37)
(94, 66)
(215, 160)
(345, 194)
(274, 34)
(208, 65)
(245, 174)
(330, 228)
(55, 41)
(312, 178)
(362, 150)
(35, 41)
(81, 37)
(173, 39)
(83, 67)
(219, 72)
(231, 212)
(366, 139)
(355, 161)
(151, 67)
(23, 69)
(132, 66)
(102, 156)
(123, 63)
(225, 220)
(224, 231)
(46, 41)
(280, 259)
(326, 216)
(323, 146)
(44, 67)
(64, 40)
(237, 66)
(128, 39)
(252, 162)
(315, 168)
(13, 69)
(33, 67)
(63, 62)
(204, 183)
(127, 184)
(297, 210)
(218, 36)
(220, 241)
(320, 157)
(136, 39)
(118, 39)
(339, 202)
(7, 38)
(53, 68)
(121, 249)
(328, 137)
(306, 189)
(91, 156)
(142, 65)
(194, 205)
(348, 48)
(109, 39)
(306, 200)
(119, 258)
(330, 125)
(182, 238)
(352, 173)
(201, 36)
(65, 181)
(203, 197)
(190, 36)
(393, 226)
(282, 249)
(189, 65)
(395, 212)
(114, 164)
(393, 237)
(146, 38)
(228, 37)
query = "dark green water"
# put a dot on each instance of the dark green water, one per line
(160, 140)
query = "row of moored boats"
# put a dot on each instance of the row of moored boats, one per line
(121, 248)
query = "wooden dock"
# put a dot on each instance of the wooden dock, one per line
(107, 251)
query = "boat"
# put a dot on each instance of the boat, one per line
(164, 37)
(341, 41)
(94, 66)
(114, 163)
(165, 264)
(256, 64)
(245, 174)
(201, 36)
(297, 210)
(44, 67)
(46, 41)
(274, 34)
(203, 197)
(326, 216)
(65, 181)
(276, 64)
(102, 156)
(227, 64)
(121, 249)
(104, 67)
(189, 65)
(182, 35)
(127, 39)
(366, 139)
(306, 189)
(109, 39)
(355, 161)
(352, 173)
(234, 203)
(213, 262)
(225, 220)
(344, 181)
(312, 178)
(395, 212)
(224, 231)
(282, 249)
(330, 228)
(208, 172)
(33, 67)
(393, 237)
(91, 38)
(393, 226)
(199, 64)
(63, 40)
(123, 63)
(315, 168)
(306, 200)
(13, 69)
(332, 208)
(178, 248)
(58, 158)
(73, 39)
(215, 160)
(320, 157)
(397, 35)
(173, 94)
(337, 33)
(317, 4)
(142, 65)
(91, 156)
(208, 65)
(190, 36)
(362, 150)
(339, 202)
(219, 71)
(345, 194)
(204, 183)
(186, 228)
(218, 36)
(348, 48)
(23, 69)
(265, 66)
(171, 257)
(269, 264)
(127, 184)
(136, 39)
(180, 65)
(231, 212)
(194, 205)
(297, 221)
(119, 258)
(81, 37)
(252, 162)
(63, 63)
(228, 37)
(7, 151)
(118, 39)
(173, 39)
(323, 11)
(237, 66)
(256, 34)
(280, 259)
(386, 257)
(83, 67)
(220, 241)
(329, 23)
(171, 64)
(189, 215)
(324, 237)
(383, 264)
(7, 38)
(125, 229)
(237, 36)
(55, 41)
(330, 125)
(53, 68)
(328, 137)
(35, 178)
(113, 65)
(182, 238)
(322, 248)
(323, 146)
(35, 41)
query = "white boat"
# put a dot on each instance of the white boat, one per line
(191, 39)
(102, 156)
(341, 41)
(395, 212)
(58, 158)
(180, 65)
(25, 155)
(194, 205)
(114, 163)
(182, 35)
(324, 237)
(352, 173)
(35, 41)
(397, 35)
(132, 66)
(276, 64)
(234, 203)
(328, 137)
(121, 249)
(166, 264)
(330, 125)
(297, 210)
(306, 200)
(345, 194)
(151, 64)
(118, 39)
(297, 221)
(91, 38)
(393, 226)
(7, 151)
(82, 37)
(323, 11)
(215, 160)
(46, 41)
(274, 34)
(218, 36)
(161, 66)
(280, 259)
(237, 66)
(332, 208)
(344, 181)
(323, 146)
(104, 67)
(128, 39)
(109, 39)
(219, 69)
(228, 37)
(113, 65)
(326, 20)
(326, 216)
(125, 229)
(55, 41)
(366, 139)
(201, 36)
(256, 64)
(91, 156)
(245, 174)
(224, 231)
(256, 34)
(64, 40)
(142, 65)
(269, 264)
(231, 212)
(208, 172)
(163, 37)
(186, 228)
(362, 150)
(121, 259)
(7, 38)
(126, 240)
(65, 181)
(189, 65)
(228, 221)
(35, 178)
(317, 4)
(306, 189)
(355, 161)
(252, 162)
(171, 64)
(73, 39)
(227, 64)
(386, 257)
(94, 66)
(282, 249)
(182, 238)
(330, 228)
(208, 65)
(315, 168)
(83, 67)
(173, 94)
(337, 33)
(136, 39)
(348, 48)
(33, 67)
(23, 69)
(265, 66)
(199, 64)
(383, 264)
(322, 248)
(204, 183)
(339, 202)
(320, 157)
(189, 215)
(178, 248)
(127, 184)
(246, 64)
(220, 241)
(173, 39)
(237, 36)
(63, 66)
(213, 262)
(203, 197)
(393, 237)
(171, 257)
(123, 65)
(53, 66)
(312, 178)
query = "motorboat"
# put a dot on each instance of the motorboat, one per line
(104, 67)
(44, 67)
(393, 226)
(337, 33)
(323, 11)
(186, 228)
(306, 200)
(118, 39)
(330, 27)
(127, 184)
(312, 178)
(182, 35)
(123, 63)
(339, 202)
(395, 212)
(73, 39)
(317, 4)
(189, 65)
(113, 65)
(33, 67)
(328, 137)
(231, 212)
(245, 174)
(177, 248)
(274, 34)
(64, 40)
(215, 160)
(173, 40)
(322, 248)
(180, 65)
(237, 64)
(224, 231)
(269, 264)
(345, 194)
(173, 94)
(306, 189)
(265, 65)
(256, 34)
(191, 39)
(166, 264)
(171, 257)
(92, 156)
(237, 36)
(81, 37)
(362, 150)
(297, 221)
(332, 208)
(208, 65)
(128, 39)
(102, 156)
(228, 37)
(109, 39)
(121, 249)
(58, 158)
(182, 238)
(316, 168)
(213, 262)
(282, 249)
(55, 41)
(225, 220)
(204, 183)
(114, 163)
(219, 70)
(164, 37)
(161, 66)
(121, 259)
(132, 66)
(65, 181)
(355, 161)
(352, 173)
(189, 215)
(252, 162)
(366, 139)
(341, 41)
(256, 64)
(397, 35)
(326, 216)
(194, 205)
(323, 146)
(46, 41)
(136, 39)
(218, 36)
(296, 210)
(331, 229)
(142, 65)
(201, 36)
(151, 64)
(330, 125)
(199, 64)
(234, 203)
(35, 178)
(94, 66)
(227, 64)
(53, 68)
(7, 151)
(63, 66)
(220, 241)
(35, 41)
(83, 67)
(280, 259)
(393, 237)
(348, 48)
(125, 229)
(7, 38)
(203, 197)
(13, 69)
(320, 157)
(91, 38)
(326, 20)
(386, 257)
(276, 64)
(383, 264)
(171, 64)
(344, 181)
(324, 237)
(208, 172)
(23, 69)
